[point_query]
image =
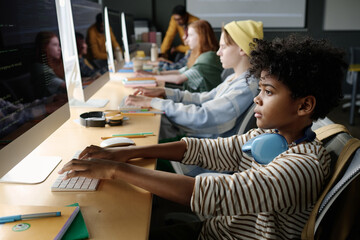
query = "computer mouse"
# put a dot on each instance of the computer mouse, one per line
(116, 142)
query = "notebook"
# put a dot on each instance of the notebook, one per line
(77, 229)
(40, 228)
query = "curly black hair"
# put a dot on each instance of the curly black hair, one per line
(308, 67)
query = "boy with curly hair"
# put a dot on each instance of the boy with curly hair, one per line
(259, 201)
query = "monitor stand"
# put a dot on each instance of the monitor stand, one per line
(93, 103)
(32, 170)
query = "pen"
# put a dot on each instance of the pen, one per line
(141, 111)
(134, 134)
(128, 136)
(138, 113)
(28, 216)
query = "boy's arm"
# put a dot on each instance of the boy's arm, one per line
(173, 151)
(171, 186)
(221, 154)
(174, 187)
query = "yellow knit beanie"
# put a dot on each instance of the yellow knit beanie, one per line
(243, 33)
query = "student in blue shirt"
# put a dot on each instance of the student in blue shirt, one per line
(217, 112)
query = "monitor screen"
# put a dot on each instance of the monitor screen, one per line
(130, 28)
(83, 79)
(128, 35)
(115, 23)
(33, 96)
(108, 45)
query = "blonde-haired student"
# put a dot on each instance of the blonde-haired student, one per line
(217, 112)
(300, 81)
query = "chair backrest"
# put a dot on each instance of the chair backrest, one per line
(346, 169)
(354, 55)
(226, 72)
(249, 120)
(344, 199)
(335, 143)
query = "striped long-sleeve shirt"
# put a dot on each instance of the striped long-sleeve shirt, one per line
(259, 201)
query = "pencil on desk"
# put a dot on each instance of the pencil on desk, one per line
(138, 113)
(129, 136)
(136, 134)
(142, 111)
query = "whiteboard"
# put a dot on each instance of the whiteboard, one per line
(342, 15)
(273, 13)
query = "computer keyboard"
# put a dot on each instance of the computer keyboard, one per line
(76, 184)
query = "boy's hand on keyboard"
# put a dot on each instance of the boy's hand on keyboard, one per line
(112, 154)
(94, 168)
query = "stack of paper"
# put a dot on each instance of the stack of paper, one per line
(139, 82)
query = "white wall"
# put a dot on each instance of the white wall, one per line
(342, 15)
(273, 13)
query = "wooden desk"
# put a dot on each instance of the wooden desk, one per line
(116, 209)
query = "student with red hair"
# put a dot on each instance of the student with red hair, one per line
(203, 70)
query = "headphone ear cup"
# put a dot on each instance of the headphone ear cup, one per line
(268, 146)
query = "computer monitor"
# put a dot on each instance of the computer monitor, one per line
(33, 98)
(109, 50)
(115, 23)
(79, 93)
(125, 39)
(128, 35)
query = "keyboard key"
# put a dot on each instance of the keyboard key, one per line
(74, 184)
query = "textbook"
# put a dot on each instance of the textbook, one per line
(39, 228)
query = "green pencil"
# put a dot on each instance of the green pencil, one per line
(132, 134)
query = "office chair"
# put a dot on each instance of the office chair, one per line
(352, 78)
(225, 73)
(249, 120)
(340, 196)
(333, 215)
